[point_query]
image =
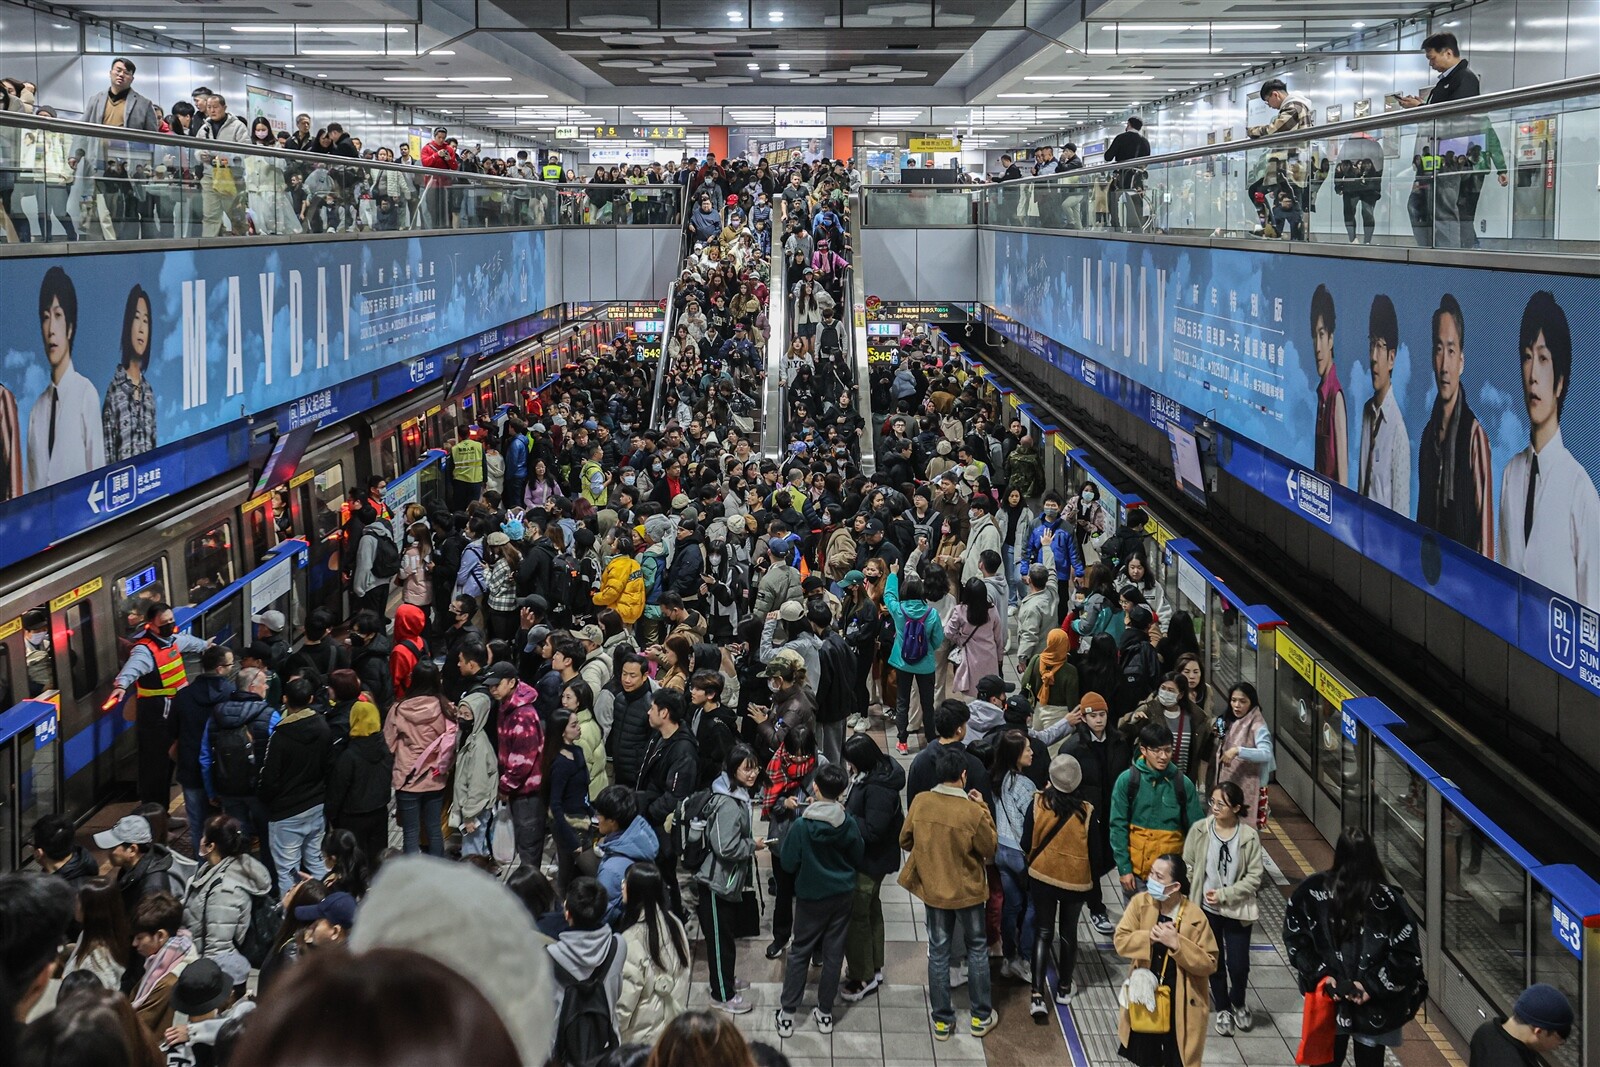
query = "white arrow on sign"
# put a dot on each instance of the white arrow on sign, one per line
(1294, 488)
(96, 495)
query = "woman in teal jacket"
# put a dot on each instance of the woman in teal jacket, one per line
(910, 611)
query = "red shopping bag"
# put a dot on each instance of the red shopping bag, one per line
(1317, 1027)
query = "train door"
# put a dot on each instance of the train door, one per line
(30, 775)
(72, 642)
(322, 505)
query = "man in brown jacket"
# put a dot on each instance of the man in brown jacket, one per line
(950, 835)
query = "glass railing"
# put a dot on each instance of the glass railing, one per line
(1512, 172)
(84, 183)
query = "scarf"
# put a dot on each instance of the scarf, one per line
(162, 963)
(784, 775)
(1050, 661)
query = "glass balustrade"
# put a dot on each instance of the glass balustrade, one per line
(76, 182)
(1510, 177)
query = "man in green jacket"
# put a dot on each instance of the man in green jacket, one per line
(1163, 806)
(822, 851)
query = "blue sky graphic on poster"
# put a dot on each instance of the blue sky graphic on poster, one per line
(1228, 334)
(232, 331)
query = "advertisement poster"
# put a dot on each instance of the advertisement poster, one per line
(1462, 399)
(277, 107)
(106, 357)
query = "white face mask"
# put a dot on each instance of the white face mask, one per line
(1167, 697)
(1157, 890)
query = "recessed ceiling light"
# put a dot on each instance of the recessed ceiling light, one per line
(736, 16)
(442, 52)
(226, 47)
(1448, 25)
(775, 16)
(1218, 73)
(753, 66)
(783, 66)
(289, 66)
(163, 27)
(1358, 25)
(322, 75)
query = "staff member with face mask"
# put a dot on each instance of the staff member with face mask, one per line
(156, 664)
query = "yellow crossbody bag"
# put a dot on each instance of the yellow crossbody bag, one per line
(1143, 1020)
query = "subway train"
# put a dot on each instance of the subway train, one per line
(68, 614)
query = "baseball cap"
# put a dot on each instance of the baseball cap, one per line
(502, 671)
(993, 685)
(533, 600)
(337, 908)
(130, 830)
(874, 526)
(778, 547)
(786, 664)
(590, 632)
(203, 986)
(272, 619)
(792, 611)
(851, 579)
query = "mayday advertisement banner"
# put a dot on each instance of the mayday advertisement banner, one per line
(1463, 399)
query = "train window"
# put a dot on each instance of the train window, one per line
(1554, 963)
(1399, 823)
(1485, 909)
(208, 561)
(143, 586)
(328, 503)
(81, 658)
(1297, 701)
(389, 456)
(38, 654)
(224, 623)
(38, 771)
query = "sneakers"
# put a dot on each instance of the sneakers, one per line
(1065, 993)
(1243, 1019)
(1038, 1009)
(734, 1005)
(740, 985)
(823, 1020)
(958, 977)
(855, 990)
(942, 1030)
(900, 747)
(1018, 969)
(784, 1022)
(982, 1025)
(1102, 924)
(864, 724)
(1224, 1024)
(776, 949)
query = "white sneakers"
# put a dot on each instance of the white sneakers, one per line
(783, 1022)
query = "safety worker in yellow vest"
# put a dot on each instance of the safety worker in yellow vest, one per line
(551, 171)
(155, 669)
(466, 469)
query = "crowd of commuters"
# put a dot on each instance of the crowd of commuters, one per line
(655, 693)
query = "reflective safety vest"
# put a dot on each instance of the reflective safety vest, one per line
(552, 172)
(466, 461)
(169, 675)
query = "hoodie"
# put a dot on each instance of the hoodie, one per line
(986, 718)
(902, 611)
(80, 867)
(409, 622)
(475, 927)
(730, 841)
(361, 780)
(580, 952)
(637, 841)
(874, 803)
(411, 727)
(218, 901)
(294, 774)
(822, 850)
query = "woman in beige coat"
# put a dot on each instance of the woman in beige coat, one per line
(1162, 930)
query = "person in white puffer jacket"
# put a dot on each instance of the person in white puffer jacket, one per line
(655, 972)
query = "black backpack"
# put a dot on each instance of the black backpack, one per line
(828, 341)
(386, 557)
(256, 945)
(236, 758)
(569, 592)
(689, 829)
(587, 1028)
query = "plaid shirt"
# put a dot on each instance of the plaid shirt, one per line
(502, 587)
(784, 775)
(129, 417)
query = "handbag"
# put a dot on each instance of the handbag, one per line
(587, 857)
(502, 834)
(1144, 1020)
(1318, 1027)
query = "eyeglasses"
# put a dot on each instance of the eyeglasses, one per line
(1164, 750)
(1219, 804)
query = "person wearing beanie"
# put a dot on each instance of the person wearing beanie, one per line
(1055, 838)
(1540, 1022)
(362, 782)
(1102, 754)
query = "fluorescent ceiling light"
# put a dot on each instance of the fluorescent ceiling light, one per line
(342, 31)
(1358, 25)
(736, 16)
(163, 27)
(775, 16)
(1022, 96)
(522, 96)
(338, 51)
(1080, 96)
(753, 66)
(462, 96)
(440, 52)
(226, 47)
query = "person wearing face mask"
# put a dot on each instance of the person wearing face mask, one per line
(1052, 544)
(1152, 807)
(1087, 517)
(1194, 735)
(983, 535)
(155, 663)
(1166, 938)
(40, 655)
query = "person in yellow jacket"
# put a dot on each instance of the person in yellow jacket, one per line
(466, 470)
(622, 582)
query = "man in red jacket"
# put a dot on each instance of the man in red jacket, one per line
(409, 647)
(438, 155)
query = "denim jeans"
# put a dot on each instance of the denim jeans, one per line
(197, 809)
(297, 841)
(1016, 914)
(1233, 961)
(418, 810)
(942, 924)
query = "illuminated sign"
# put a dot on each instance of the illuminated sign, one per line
(68, 599)
(635, 311)
(136, 582)
(634, 133)
(933, 144)
(917, 312)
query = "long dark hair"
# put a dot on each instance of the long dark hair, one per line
(347, 865)
(105, 922)
(554, 728)
(129, 310)
(1007, 751)
(1356, 873)
(975, 598)
(862, 752)
(1179, 638)
(258, 122)
(647, 902)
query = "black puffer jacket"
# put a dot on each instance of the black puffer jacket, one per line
(362, 778)
(874, 802)
(630, 733)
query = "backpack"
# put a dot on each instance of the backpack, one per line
(569, 591)
(256, 945)
(587, 1028)
(914, 639)
(435, 760)
(689, 829)
(828, 342)
(236, 759)
(1134, 778)
(385, 557)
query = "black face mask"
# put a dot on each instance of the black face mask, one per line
(166, 630)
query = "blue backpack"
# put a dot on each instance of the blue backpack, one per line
(914, 639)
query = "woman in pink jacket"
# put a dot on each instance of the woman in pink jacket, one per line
(972, 635)
(421, 731)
